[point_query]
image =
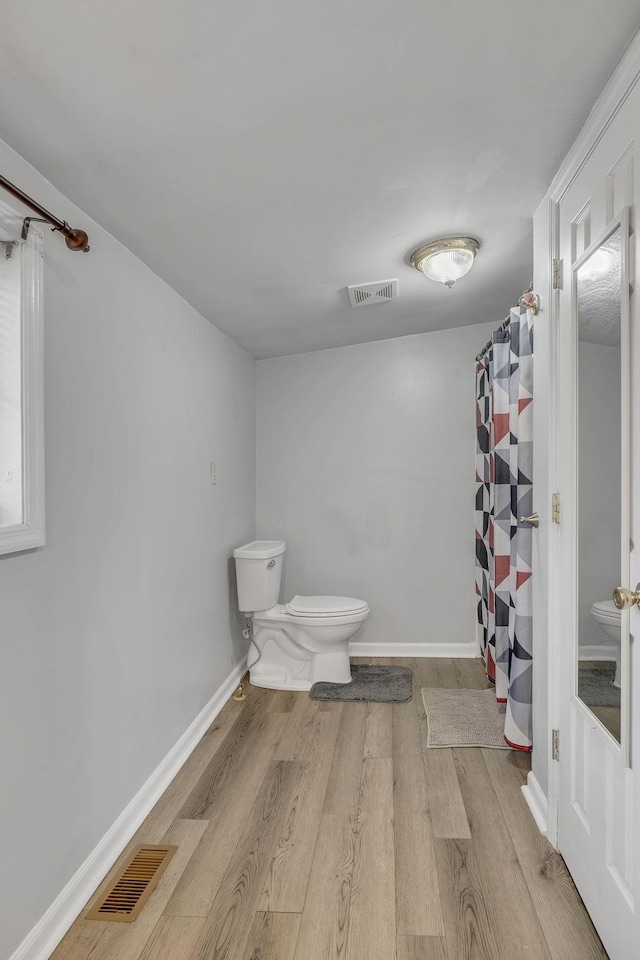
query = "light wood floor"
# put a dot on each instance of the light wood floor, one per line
(312, 831)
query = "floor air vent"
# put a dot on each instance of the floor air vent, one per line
(130, 888)
(362, 294)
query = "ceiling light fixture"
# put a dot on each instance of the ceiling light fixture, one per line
(446, 260)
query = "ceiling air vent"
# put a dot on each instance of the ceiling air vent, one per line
(362, 294)
(128, 890)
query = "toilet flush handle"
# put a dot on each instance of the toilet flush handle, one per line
(271, 563)
(624, 598)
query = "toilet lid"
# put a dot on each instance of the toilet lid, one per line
(324, 606)
(606, 608)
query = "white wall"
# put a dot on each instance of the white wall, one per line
(598, 483)
(116, 634)
(365, 466)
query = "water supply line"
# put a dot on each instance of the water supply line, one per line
(247, 633)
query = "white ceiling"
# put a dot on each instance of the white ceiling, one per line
(262, 155)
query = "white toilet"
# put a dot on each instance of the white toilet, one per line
(607, 616)
(300, 642)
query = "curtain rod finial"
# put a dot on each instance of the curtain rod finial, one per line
(77, 240)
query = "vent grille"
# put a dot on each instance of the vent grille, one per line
(362, 294)
(128, 891)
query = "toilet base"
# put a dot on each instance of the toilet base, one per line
(277, 681)
(607, 616)
(285, 666)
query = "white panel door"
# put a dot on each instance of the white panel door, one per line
(599, 483)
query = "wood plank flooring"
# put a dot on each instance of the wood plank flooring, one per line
(323, 831)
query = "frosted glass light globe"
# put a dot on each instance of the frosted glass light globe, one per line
(448, 266)
(446, 260)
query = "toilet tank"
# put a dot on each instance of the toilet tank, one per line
(258, 574)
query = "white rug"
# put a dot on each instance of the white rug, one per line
(464, 718)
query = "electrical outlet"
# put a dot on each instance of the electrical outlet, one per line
(213, 471)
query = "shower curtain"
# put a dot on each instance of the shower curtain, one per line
(504, 460)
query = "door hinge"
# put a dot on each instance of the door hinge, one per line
(556, 275)
(555, 744)
(555, 508)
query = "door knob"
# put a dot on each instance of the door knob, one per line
(624, 598)
(533, 520)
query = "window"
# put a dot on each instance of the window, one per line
(21, 386)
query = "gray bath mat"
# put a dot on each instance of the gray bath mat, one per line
(595, 683)
(464, 718)
(379, 684)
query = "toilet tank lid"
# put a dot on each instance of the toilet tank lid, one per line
(260, 550)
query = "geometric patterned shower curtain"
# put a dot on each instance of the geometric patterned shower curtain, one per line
(504, 462)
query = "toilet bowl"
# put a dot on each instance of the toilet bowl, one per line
(607, 616)
(298, 643)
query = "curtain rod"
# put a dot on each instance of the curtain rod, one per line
(530, 301)
(489, 343)
(75, 239)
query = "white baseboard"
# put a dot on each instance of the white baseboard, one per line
(537, 802)
(552, 820)
(413, 649)
(597, 652)
(42, 940)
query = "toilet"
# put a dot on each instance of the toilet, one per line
(298, 643)
(607, 616)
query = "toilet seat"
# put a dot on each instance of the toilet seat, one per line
(606, 610)
(319, 607)
(280, 613)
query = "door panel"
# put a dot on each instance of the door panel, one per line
(598, 789)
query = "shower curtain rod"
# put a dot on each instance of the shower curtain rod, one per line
(75, 239)
(489, 343)
(529, 300)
